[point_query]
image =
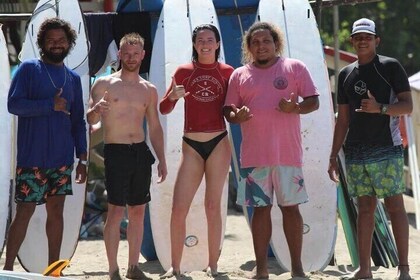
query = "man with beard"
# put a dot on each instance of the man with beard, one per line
(263, 97)
(47, 98)
(122, 101)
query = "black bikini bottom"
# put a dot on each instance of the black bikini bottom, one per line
(204, 149)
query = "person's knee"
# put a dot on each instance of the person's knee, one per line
(395, 205)
(179, 212)
(366, 205)
(212, 207)
(25, 210)
(115, 213)
(262, 211)
(289, 211)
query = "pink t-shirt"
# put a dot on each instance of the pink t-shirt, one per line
(271, 137)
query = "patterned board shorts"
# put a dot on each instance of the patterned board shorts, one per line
(35, 184)
(381, 179)
(259, 183)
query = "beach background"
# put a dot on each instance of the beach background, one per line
(237, 258)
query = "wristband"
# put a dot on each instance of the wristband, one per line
(84, 162)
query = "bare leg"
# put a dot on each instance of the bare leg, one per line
(399, 222)
(188, 179)
(261, 234)
(112, 235)
(54, 226)
(365, 227)
(293, 226)
(217, 167)
(17, 232)
(135, 232)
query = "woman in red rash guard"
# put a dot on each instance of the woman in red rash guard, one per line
(205, 146)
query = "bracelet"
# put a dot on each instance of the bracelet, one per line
(84, 162)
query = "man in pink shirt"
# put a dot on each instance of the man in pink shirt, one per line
(263, 97)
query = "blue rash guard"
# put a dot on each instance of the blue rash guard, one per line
(47, 138)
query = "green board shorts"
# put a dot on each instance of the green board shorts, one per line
(381, 179)
(35, 184)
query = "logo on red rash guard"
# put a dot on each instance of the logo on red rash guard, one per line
(280, 83)
(205, 88)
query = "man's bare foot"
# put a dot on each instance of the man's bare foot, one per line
(211, 272)
(257, 276)
(358, 275)
(298, 274)
(403, 272)
(115, 275)
(171, 273)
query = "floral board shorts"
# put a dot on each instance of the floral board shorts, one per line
(381, 179)
(35, 184)
(258, 184)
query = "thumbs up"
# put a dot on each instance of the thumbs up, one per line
(106, 96)
(103, 105)
(60, 103)
(370, 95)
(178, 91)
(369, 105)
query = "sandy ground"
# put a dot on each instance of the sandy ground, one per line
(237, 258)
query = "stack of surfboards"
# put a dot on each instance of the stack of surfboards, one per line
(35, 243)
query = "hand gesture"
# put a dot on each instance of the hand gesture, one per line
(290, 105)
(103, 105)
(60, 104)
(178, 91)
(369, 105)
(240, 114)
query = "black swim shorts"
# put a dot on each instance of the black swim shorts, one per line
(128, 172)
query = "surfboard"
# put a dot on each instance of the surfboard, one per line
(35, 243)
(347, 213)
(297, 21)
(413, 165)
(172, 47)
(14, 275)
(5, 141)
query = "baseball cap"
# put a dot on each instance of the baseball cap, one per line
(363, 25)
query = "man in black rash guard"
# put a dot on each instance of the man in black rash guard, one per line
(372, 93)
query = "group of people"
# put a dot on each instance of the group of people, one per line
(266, 97)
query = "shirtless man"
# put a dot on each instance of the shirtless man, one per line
(122, 101)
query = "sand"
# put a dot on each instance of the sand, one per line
(237, 258)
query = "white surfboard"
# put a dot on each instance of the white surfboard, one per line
(35, 243)
(413, 165)
(14, 275)
(5, 141)
(303, 42)
(172, 47)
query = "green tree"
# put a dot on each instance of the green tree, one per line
(397, 23)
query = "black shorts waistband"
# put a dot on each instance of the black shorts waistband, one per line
(133, 146)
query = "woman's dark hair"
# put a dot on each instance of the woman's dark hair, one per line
(56, 23)
(194, 36)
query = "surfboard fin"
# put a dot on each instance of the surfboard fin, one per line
(55, 268)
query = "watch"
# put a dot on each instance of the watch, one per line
(84, 162)
(384, 109)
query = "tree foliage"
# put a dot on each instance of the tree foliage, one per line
(397, 24)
